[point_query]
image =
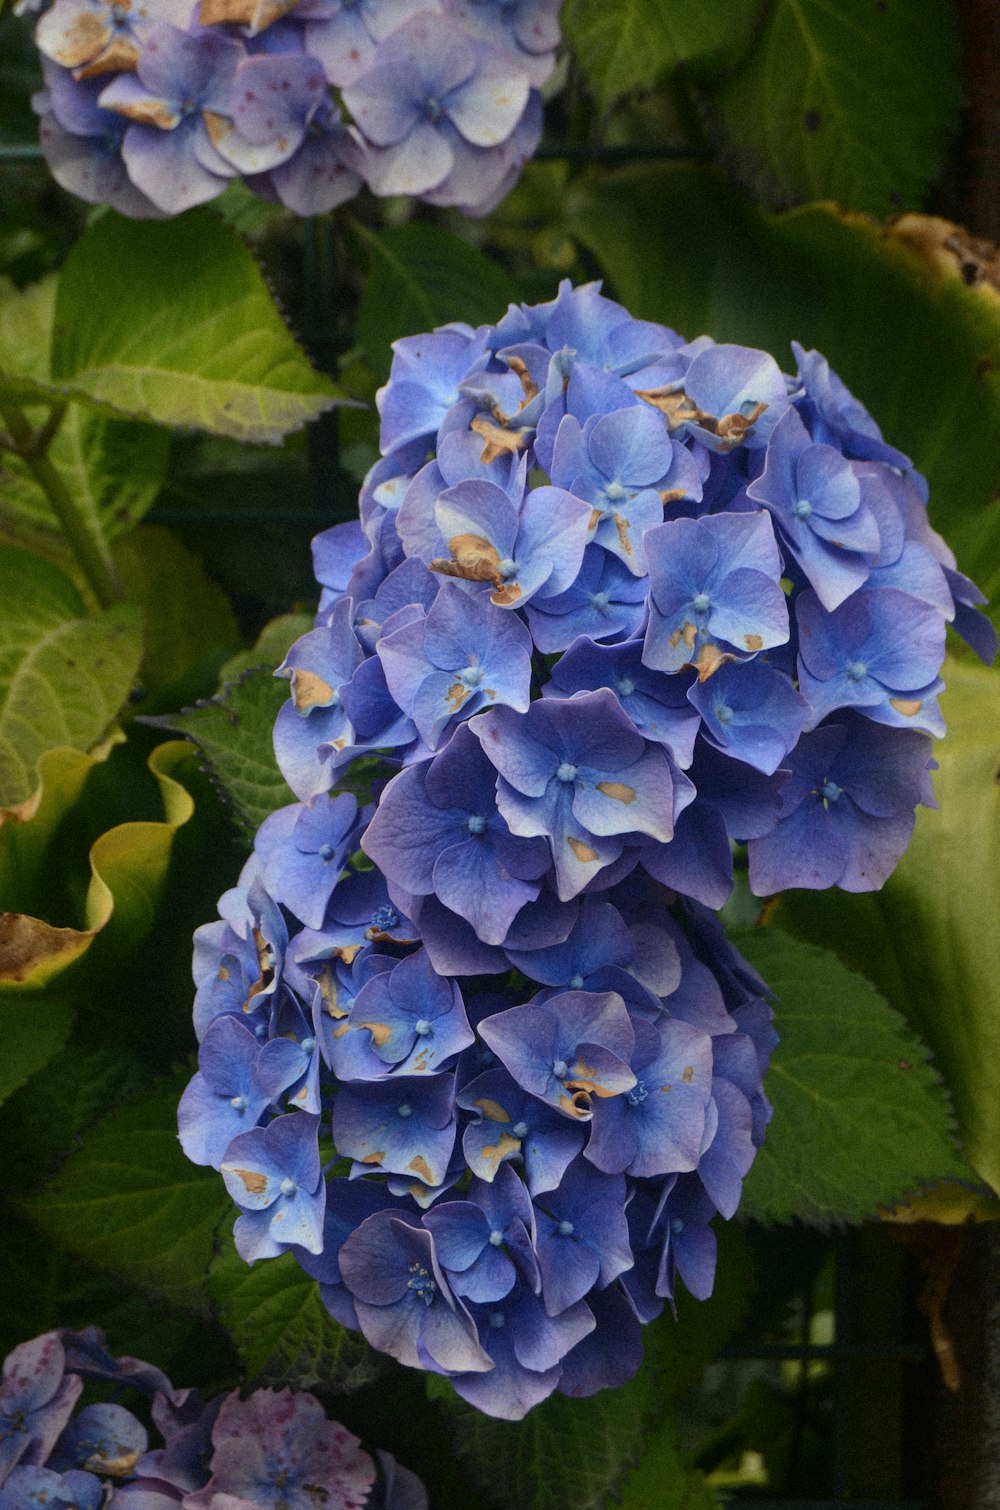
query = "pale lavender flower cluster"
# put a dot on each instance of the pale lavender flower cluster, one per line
(270, 1451)
(153, 106)
(477, 1049)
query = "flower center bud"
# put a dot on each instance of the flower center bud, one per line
(520, 1129)
(507, 567)
(384, 917)
(625, 687)
(432, 110)
(497, 1320)
(406, 1110)
(326, 851)
(471, 676)
(701, 602)
(831, 791)
(476, 825)
(566, 772)
(496, 1237)
(239, 1103)
(724, 713)
(565, 1229)
(422, 1284)
(857, 670)
(802, 509)
(599, 600)
(637, 1094)
(560, 1068)
(421, 1027)
(615, 492)
(576, 983)
(288, 1186)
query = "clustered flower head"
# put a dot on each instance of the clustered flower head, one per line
(153, 106)
(477, 1050)
(271, 1451)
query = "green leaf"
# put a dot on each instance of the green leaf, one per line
(916, 344)
(233, 734)
(663, 1477)
(172, 321)
(25, 339)
(63, 676)
(282, 1330)
(420, 276)
(630, 44)
(845, 100)
(931, 937)
(860, 1117)
(128, 871)
(188, 625)
(270, 647)
(564, 1452)
(129, 1201)
(32, 1040)
(113, 469)
(38, 1131)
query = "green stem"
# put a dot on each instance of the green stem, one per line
(90, 550)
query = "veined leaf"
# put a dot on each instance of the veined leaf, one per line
(233, 734)
(130, 1202)
(845, 100)
(25, 340)
(63, 676)
(420, 276)
(931, 937)
(631, 44)
(281, 1328)
(113, 468)
(860, 1118)
(172, 321)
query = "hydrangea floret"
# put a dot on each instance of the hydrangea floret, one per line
(274, 1450)
(477, 1050)
(157, 107)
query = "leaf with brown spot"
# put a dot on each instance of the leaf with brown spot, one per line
(52, 970)
(32, 950)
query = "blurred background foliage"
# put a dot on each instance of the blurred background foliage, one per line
(824, 170)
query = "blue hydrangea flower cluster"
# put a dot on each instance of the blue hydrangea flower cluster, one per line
(156, 107)
(267, 1452)
(476, 1049)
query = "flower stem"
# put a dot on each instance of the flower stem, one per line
(90, 549)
